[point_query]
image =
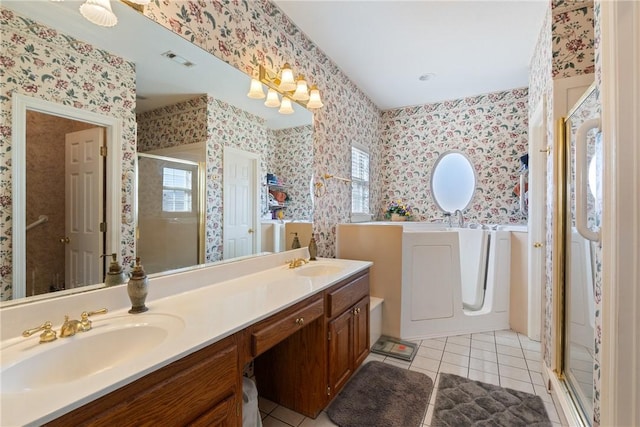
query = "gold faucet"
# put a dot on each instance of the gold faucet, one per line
(47, 336)
(70, 327)
(297, 262)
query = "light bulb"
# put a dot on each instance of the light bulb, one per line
(302, 91)
(287, 84)
(314, 98)
(256, 91)
(272, 99)
(286, 107)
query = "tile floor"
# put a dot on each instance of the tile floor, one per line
(504, 358)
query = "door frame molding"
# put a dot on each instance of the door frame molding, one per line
(536, 223)
(620, 97)
(255, 188)
(113, 175)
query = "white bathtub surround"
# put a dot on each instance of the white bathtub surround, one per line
(450, 287)
(211, 303)
(418, 270)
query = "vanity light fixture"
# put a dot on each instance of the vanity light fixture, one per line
(272, 99)
(299, 90)
(302, 91)
(314, 98)
(99, 12)
(287, 84)
(285, 106)
(256, 91)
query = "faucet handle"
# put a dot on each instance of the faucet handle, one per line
(85, 323)
(47, 335)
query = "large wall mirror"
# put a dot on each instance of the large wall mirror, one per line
(185, 119)
(453, 181)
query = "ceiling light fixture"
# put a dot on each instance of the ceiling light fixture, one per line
(298, 90)
(99, 12)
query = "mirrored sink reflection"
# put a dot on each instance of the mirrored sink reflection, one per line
(111, 343)
(314, 270)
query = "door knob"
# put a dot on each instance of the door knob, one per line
(537, 245)
(64, 240)
(250, 230)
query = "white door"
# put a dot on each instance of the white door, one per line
(240, 207)
(83, 239)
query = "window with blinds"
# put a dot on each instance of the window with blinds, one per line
(176, 190)
(359, 181)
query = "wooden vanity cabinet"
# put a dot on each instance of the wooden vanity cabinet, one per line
(305, 371)
(292, 372)
(204, 388)
(348, 330)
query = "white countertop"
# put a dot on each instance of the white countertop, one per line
(209, 313)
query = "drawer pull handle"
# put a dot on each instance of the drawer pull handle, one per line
(300, 321)
(356, 311)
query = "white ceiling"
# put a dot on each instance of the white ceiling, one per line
(472, 47)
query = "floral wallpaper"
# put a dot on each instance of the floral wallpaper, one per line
(597, 248)
(246, 34)
(492, 130)
(173, 125)
(292, 159)
(38, 61)
(573, 39)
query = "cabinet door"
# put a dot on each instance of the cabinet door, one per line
(340, 351)
(361, 331)
(223, 414)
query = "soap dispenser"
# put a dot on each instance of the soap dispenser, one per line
(115, 275)
(296, 242)
(138, 287)
(313, 249)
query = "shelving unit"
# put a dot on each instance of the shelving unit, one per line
(276, 190)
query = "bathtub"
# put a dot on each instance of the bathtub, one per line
(434, 280)
(454, 281)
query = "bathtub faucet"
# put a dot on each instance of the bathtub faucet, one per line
(460, 218)
(447, 216)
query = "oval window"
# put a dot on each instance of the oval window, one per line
(453, 181)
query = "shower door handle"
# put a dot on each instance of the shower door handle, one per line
(582, 179)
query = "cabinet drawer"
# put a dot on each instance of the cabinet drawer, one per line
(263, 338)
(342, 298)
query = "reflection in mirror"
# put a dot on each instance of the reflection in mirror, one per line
(227, 119)
(51, 246)
(453, 181)
(169, 224)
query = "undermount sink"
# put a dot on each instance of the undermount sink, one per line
(313, 270)
(111, 343)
